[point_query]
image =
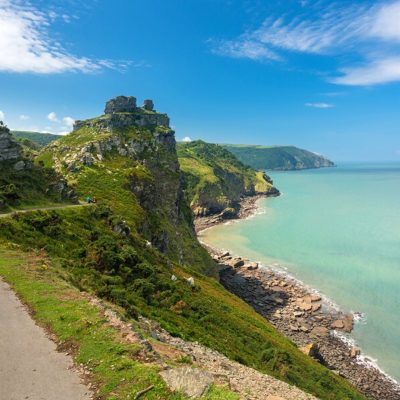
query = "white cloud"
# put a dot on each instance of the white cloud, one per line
(367, 33)
(52, 117)
(24, 117)
(68, 121)
(244, 48)
(2, 116)
(186, 139)
(387, 22)
(319, 105)
(374, 73)
(26, 45)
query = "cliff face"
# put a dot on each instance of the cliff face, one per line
(128, 161)
(278, 157)
(216, 180)
(9, 149)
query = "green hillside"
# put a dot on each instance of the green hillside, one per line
(277, 157)
(40, 139)
(136, 248)
(216, 180)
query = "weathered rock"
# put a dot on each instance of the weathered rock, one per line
(315, 297)
(9, 149)
(190, 281)
(354, 352)
(315, 307)
(148, 105)
(338, 324)
(120, 104)
(19, 165)
(311, 350)
(193, 382)
(235, 262)
(320, 331)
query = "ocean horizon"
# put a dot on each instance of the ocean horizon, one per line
(336, 230)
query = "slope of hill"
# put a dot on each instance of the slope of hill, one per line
(216, 180)
(40, 139)
(137, 248)
(277, 157)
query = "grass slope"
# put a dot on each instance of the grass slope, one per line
(40, 139)
(277, 157)
(122, 269)
(216, 179)
(115, 370)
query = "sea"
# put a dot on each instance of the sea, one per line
(338, 231)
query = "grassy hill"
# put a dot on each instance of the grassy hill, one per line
(38, 138)
(277, 157)
(216, 180)
(127, 248)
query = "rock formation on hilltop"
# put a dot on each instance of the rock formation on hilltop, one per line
(122, 112)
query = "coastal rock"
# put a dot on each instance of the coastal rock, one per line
(354, 352)
(319, 331)
(311, 350)
(235, 262)
(338, 324)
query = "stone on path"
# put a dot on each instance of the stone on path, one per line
(193, 382)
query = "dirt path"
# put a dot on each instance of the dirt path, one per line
(30, 366)
(44, 209)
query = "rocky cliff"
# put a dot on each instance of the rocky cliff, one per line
(127, 159)
(216, 181)
(10, 150)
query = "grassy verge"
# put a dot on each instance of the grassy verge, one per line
(78, 325)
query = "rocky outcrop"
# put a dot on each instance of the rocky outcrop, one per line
(148, 105)
(144, 138)
(120, 104)
(122, 112)
(9, 149)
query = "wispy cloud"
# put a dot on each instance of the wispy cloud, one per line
(24, 117)
(319, 105)
(369, 33)
(373, 73)
(244, 48)
(26, 45)
(186, 139)
(2, 116)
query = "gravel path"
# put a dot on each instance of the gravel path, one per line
(30, 366)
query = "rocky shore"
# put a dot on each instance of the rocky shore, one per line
(248, 207)
(311, 323)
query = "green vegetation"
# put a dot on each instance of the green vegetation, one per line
(216, 180)
(36, 138)
(126, 249)
(122, 269)
(277, 157)
(114, 365)
(29, 188)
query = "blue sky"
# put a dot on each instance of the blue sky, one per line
(322, 75)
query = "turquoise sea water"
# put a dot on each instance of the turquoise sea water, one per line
(338, 231)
